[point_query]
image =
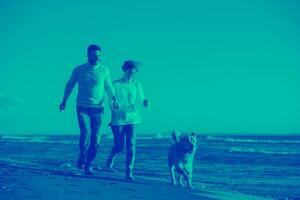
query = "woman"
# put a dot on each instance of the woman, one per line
(123, 120)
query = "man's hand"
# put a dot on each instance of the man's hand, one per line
(62, 106)
(115, 103)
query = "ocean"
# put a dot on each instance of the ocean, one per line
(267, 166)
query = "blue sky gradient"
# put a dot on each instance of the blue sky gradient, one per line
(212, 66)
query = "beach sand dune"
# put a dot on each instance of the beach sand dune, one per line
(22, 182)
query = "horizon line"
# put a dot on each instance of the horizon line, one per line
(162, 134)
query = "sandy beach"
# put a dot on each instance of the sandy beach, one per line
(32, 182)
(44, 168)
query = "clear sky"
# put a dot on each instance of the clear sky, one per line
(218, 66)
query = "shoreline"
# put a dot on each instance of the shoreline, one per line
(32, 182)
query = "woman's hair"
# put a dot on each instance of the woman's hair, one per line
(130, 64)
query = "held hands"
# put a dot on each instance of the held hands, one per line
(115, 103)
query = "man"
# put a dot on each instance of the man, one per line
(92, 79)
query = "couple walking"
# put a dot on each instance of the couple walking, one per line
(93, 80)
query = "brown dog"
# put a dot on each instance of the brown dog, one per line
(181, 156)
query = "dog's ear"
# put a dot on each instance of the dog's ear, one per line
(176, 136)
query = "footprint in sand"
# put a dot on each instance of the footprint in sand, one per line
(5, 188)
(74, 185)
(135, 197)
(128, 189)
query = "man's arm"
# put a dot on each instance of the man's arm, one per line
(108, 85)
(110, 90)
(69, 88)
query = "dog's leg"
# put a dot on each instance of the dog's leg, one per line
(172, 174)
(189, 180)
(189, 184)
(182, 173)
(180, 178)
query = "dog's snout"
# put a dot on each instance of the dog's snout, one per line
(191, 148)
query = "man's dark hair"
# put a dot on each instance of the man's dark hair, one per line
(130, 64)
(93, 47)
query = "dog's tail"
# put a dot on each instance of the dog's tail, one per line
(175, 136)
